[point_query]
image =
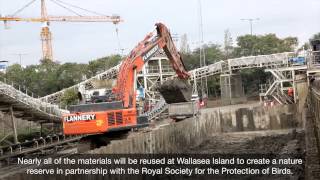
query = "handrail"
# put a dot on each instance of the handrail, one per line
(31, 101)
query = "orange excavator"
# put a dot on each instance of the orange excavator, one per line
(121, 113)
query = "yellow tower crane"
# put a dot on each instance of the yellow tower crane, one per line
(46, 19)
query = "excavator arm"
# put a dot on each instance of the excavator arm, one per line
(171, 51)
(125, 89)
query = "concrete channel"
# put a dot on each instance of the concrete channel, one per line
(176, 137)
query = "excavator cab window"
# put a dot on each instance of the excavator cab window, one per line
(95, 93)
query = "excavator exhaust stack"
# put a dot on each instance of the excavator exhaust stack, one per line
(176, 91)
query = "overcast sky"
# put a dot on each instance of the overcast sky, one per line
(82, 42)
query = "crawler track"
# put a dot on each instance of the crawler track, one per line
(37, 145)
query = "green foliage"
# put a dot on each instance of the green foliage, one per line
(47, 71)
(266, 44)
(252, 79)
(15, 73)
(102, 64)
(214, 86)
(69, 97)
(70, 73)
(49, 77)
(213, 54)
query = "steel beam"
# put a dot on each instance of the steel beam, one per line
(14, 128)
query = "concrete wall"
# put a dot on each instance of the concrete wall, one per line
(174, 138)
(301, 90)
(312, 128)
(232, 83)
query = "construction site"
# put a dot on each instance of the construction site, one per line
(159, 101)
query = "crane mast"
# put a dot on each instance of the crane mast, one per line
(45, 35)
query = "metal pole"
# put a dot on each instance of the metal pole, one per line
(160, 70)
(294, 87)
(41, 127)
(20, 58)
(251, 27)
(204, 81)
(230, 88)
(14, 128)
(4, 128)
(251, 23)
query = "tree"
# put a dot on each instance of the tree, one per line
(33, 79)
(14, 73)
(48, 83)
(69, 97)
(69, 74)
(49, 77)
(288, 44)
(102, 64)
(212, 52)
(264, 44)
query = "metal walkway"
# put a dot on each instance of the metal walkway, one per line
(109, 74)
(27, 107)
(262, 61)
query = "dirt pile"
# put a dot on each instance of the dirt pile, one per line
(175, 91)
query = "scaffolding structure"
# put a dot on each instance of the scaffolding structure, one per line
(154, 73)
(22, 104)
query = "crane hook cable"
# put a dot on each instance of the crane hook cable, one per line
(68, 9)
(74, 6)
(23, 7)
(118, 39)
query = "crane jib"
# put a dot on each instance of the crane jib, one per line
(150, 53)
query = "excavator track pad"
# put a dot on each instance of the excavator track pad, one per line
(176, 91)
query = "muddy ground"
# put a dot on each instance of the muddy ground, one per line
(257, 142)
(277, 141)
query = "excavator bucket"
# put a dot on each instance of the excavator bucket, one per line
(176, 91)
